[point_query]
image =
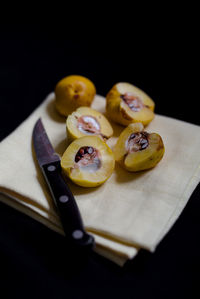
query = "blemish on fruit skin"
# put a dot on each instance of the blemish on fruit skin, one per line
(160, 145)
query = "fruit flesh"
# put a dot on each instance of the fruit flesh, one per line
(127, 104)
(72, 92)
(138, 150)
(129, 88)
(134, 102)
(88, 124)
(88, 161)
(144, 115)
(87, 121)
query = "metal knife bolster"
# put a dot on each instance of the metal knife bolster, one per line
(66, 205)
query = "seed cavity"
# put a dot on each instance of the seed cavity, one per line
(137, 142)
(132, 101)
(88, 158)
(88, 125)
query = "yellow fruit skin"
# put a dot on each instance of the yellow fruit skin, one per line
(119, 112)
(72, 92)
(113, 106)
(70, 135)
(82, 183)
(82, 178)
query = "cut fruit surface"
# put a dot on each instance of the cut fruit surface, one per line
(120, 149)
(125, 104)
(138, 150)
(87, 121)
(88, 161)
(127, 88)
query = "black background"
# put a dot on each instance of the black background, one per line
(160, 59)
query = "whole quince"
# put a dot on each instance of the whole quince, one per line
(72, 92)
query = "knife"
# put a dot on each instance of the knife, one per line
(68, 211)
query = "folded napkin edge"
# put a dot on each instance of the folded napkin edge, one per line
(104, 234)
(118, 257)
(24, 202)
(182, 203)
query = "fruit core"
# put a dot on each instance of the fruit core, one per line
(132, 101)
(88, 125)
(137, 142)
(88, 158)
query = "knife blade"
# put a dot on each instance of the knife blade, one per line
(65, 202)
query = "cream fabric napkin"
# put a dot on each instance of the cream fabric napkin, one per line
(130, 211)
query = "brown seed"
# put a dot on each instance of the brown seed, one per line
(132, 136)
(142, 141)
(77, 158)
(144, 145)
(81, 151)
(85, 150)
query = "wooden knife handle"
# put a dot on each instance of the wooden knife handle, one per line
(67, 207)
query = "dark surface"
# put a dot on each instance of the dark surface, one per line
(36, 262)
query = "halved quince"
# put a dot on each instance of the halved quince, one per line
(88, 161)
(72, 92)
(125, 104)
(137, 150)
(87, 121)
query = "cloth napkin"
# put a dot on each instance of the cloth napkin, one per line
(129, 211)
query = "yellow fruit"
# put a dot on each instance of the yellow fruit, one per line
(72, 92)
(87, 121)
(138, 150)
(127, 104)
(88, 161)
